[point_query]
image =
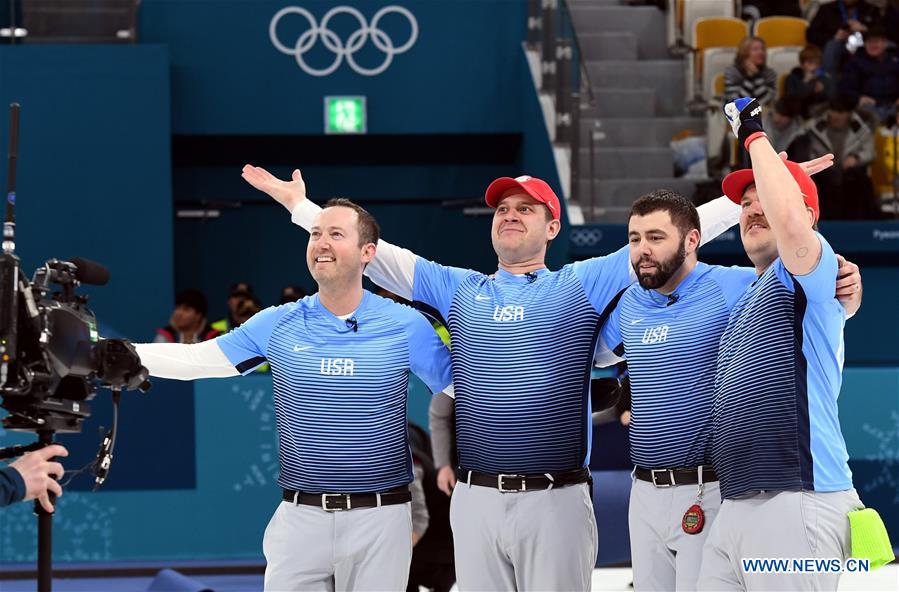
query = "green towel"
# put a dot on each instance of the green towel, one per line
(869, 538)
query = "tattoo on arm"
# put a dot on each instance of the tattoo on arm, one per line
(802, 252)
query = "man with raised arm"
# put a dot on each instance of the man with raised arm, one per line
(523, 342)
(668, 326)
(776, 444)
(340, 364)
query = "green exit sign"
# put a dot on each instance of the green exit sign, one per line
(345, 115)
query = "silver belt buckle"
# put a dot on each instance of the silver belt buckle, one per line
(499, 483)
(655, 482)
(326, 496)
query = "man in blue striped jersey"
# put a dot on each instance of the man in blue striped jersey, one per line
(777, 445)
(523, 341)
(668, 327)
(340, 364)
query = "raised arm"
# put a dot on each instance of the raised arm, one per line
(393, 268)
(778, 192)
(183, 361)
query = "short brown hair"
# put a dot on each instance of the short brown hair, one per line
(682, 211)
(369, 231)
(809, 53)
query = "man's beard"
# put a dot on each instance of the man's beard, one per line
(663, 272)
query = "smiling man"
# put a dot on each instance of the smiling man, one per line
(668, 326)
(340, 364)
(777, 445)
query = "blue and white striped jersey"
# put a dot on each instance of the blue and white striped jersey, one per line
(671, 346)
(340, 390)
(775, 423)
(522, 355)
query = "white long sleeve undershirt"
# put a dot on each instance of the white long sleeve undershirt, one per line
(183, 361)
(393, 267)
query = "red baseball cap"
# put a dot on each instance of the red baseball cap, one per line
(536, 188)
(735, 184)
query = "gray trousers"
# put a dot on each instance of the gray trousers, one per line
(663, 556)
(530, 540)
(307, 548)
(778, 524)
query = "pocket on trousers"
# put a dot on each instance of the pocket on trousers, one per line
(808, 512)
(270, 530)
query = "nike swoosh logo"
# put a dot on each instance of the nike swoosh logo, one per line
(479, 297)
(299, 348)
(635, 321)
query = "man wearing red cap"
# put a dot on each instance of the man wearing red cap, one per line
(777, 447)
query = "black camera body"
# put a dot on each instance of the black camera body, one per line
(52, 358)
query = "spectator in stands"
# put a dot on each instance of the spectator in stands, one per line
(239, 292)
(832, 26)
(783, 123)
(188, 321)
(808, 83)
(845, 191)
(292, 294)
(749, 76)
(872, 76)
(891, 20)
(247, 308)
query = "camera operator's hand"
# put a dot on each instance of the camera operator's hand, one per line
(40, 474)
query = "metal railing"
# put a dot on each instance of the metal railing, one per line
(564, 74)
(69, 21)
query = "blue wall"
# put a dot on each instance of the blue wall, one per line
(461, 76)
(94, 173)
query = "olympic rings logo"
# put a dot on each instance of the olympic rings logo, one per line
(585, 237)
(336, 45)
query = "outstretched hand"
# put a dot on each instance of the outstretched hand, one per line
(815, 165)
(286, 193)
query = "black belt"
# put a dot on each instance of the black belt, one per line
(338, 502)
(511, 483)
(669, 477)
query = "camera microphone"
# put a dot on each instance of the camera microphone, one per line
(672, 298)
(352, 324)
(90, 272)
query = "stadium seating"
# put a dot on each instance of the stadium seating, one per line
(782, 60)
(715, 60)
(683, 13)
(883, 168)
(708, 33)
(780, 31)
